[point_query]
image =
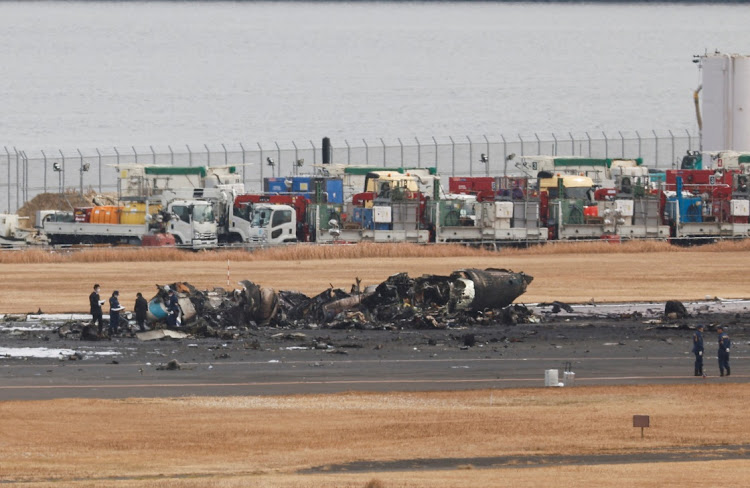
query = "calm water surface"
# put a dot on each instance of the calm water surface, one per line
(102, 74)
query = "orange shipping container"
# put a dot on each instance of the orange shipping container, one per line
(108, 214)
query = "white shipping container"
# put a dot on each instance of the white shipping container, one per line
(381, 215)
(740, 208)
(551, 377)
(504, 210)
(624, 207)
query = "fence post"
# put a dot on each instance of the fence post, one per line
(453, 156)
(23, 176)
(242, 148)
(208, 155)
(171, 156)
(226, 156)
(638, 135)
(522, 148)
(61, 177)
(315, 154)
(401, 145)
(471, 157)
(383, 143)
(44, 158)
(606, 145)
(589, 138)
(367, 152)
(622, 147)
(25, 160)
(656, 148)
(348, 153)
(99, 169)
(8, 154)
(296, 158)
(487, 164)
(572, 144)
(690, 139)
(674, 163)
(538, 144)
(505, 156)
(261, 166)
(554, 149)
(419, 153)
(118, 157)
(153, 155)
(278, 155)
(436, 154)
(136, 154)
(80, 170)
(190, 155)
(15, 151)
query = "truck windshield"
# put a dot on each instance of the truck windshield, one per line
(261, 217)
(578, 193)
(203, 213)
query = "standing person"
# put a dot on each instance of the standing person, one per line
(95, 304)
(173, 309)
(141, 309)
(114, 312)
(698, 350)
(724, 344)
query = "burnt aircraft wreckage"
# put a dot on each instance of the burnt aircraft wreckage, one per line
(430, 301)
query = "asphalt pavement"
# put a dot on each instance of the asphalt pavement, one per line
(602, 345)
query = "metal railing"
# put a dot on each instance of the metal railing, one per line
(25, 174)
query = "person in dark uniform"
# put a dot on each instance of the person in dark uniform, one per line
(724, 344)
(698, 350)
(95, 304)
(141, 309)
(114, 312)
(173, 310)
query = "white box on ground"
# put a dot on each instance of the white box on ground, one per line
(551, 377)
(569, 378)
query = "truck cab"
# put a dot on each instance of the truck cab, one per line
(192, 223)
(270, 224)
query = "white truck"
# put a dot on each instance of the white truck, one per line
(249, 220)
(191, 222)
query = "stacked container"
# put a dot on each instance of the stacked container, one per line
(107, 214)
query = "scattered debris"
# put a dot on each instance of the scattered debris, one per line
(172, 365)
(430, 302)
(675, 309)
(157, 334)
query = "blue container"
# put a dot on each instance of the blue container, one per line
(335, 190)
(363, 217)
(275, 185)
(691, 209)
(302, 184)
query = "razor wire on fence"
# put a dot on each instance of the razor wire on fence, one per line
(29, 173)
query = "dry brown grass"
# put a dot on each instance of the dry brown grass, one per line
(263, 441)
(307, 252)
(573, 278)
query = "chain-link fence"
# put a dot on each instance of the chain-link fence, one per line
(25, 174)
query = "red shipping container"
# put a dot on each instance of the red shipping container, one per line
(82, 214)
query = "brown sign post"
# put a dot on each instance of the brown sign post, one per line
(641, 421)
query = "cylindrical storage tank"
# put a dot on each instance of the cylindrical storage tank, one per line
(725, 102)
(741, 132)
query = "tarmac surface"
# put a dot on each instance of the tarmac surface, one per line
(602, 344)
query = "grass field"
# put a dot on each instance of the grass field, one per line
(36, 280)
(266, 441)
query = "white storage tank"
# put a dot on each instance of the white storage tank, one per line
(725, 102)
